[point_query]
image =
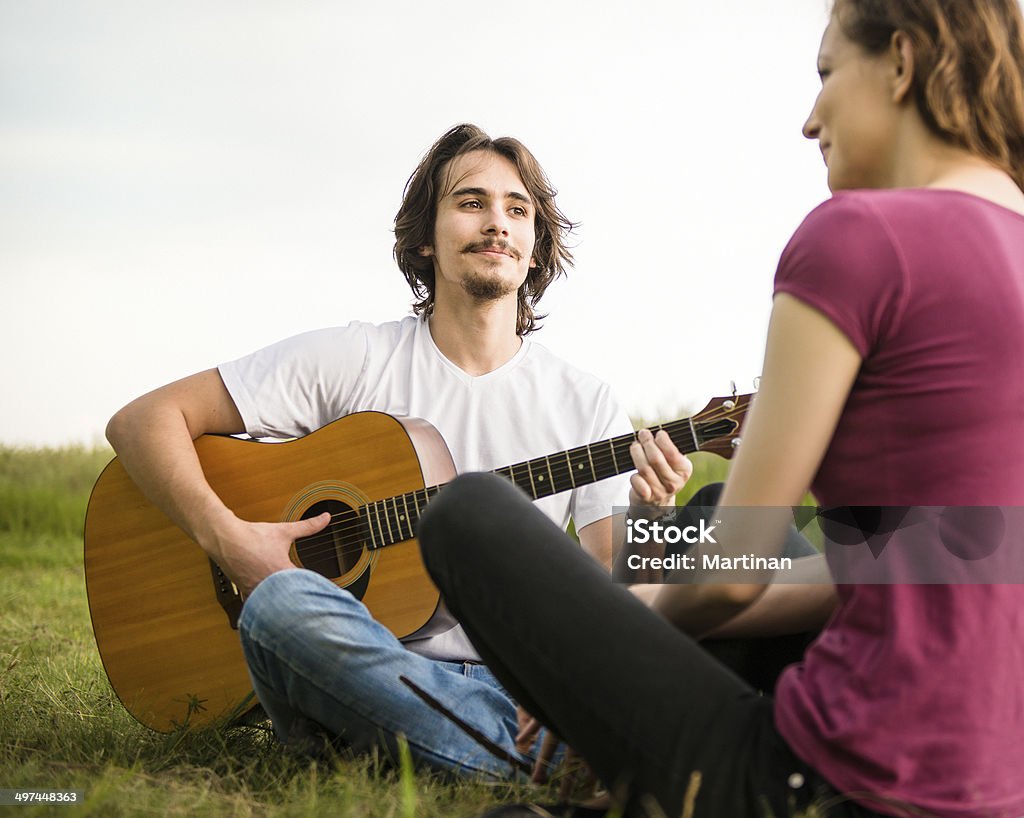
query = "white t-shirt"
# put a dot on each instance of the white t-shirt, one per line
(533, 405)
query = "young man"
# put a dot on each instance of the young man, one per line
(479, 238)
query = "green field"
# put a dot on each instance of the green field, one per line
(61, 727)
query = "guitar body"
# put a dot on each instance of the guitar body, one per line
(166, 635)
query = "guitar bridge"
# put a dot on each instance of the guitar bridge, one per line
(227, 594)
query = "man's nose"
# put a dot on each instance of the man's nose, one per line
(497, 223)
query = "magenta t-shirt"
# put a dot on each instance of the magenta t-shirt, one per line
(916, 692)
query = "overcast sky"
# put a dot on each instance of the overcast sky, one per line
(182, 183)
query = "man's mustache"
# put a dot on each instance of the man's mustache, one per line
(483, 246)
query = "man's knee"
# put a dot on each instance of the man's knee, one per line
(286, 602)
(459, 517)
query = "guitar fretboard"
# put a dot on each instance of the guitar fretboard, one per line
(394, 519)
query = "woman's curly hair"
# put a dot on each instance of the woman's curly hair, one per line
(968, 81)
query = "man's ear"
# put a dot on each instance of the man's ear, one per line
(901, 51)
(426, 250)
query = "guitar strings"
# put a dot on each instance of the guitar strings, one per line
(325, 542)
(558, 466)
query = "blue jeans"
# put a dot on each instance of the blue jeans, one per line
(316, 655)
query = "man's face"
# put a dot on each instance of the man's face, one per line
(484, 232)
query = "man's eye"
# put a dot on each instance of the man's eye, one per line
(471, 203)
(519, 211)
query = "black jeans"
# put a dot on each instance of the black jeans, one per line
(646, 705)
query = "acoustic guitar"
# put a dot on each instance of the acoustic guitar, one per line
(165, 615)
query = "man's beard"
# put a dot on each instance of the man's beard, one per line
(483, 287)
(487, 288)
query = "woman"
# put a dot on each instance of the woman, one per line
(893, 376)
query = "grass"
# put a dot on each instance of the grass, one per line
(45, 491)
(61, 726)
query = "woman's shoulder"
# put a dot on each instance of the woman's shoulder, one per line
(847, 225)
(897, 208)
(870, 206)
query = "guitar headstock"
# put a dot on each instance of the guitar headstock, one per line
(718, 424)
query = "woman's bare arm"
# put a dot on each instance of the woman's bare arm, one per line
(809, 369)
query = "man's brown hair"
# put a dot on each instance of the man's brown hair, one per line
(414, 223)
(968, 67)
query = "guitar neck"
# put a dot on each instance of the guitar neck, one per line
(555, 473)
(394, 519)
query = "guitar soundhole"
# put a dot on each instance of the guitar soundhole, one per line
(334, 551)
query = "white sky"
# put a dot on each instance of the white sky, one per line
(182, 183)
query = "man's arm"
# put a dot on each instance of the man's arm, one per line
(153, 437)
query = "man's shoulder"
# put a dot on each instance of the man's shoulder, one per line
(373, 332)
(327, 343)
(395, 328)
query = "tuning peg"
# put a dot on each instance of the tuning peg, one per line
(735, 442)
(757, 383)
